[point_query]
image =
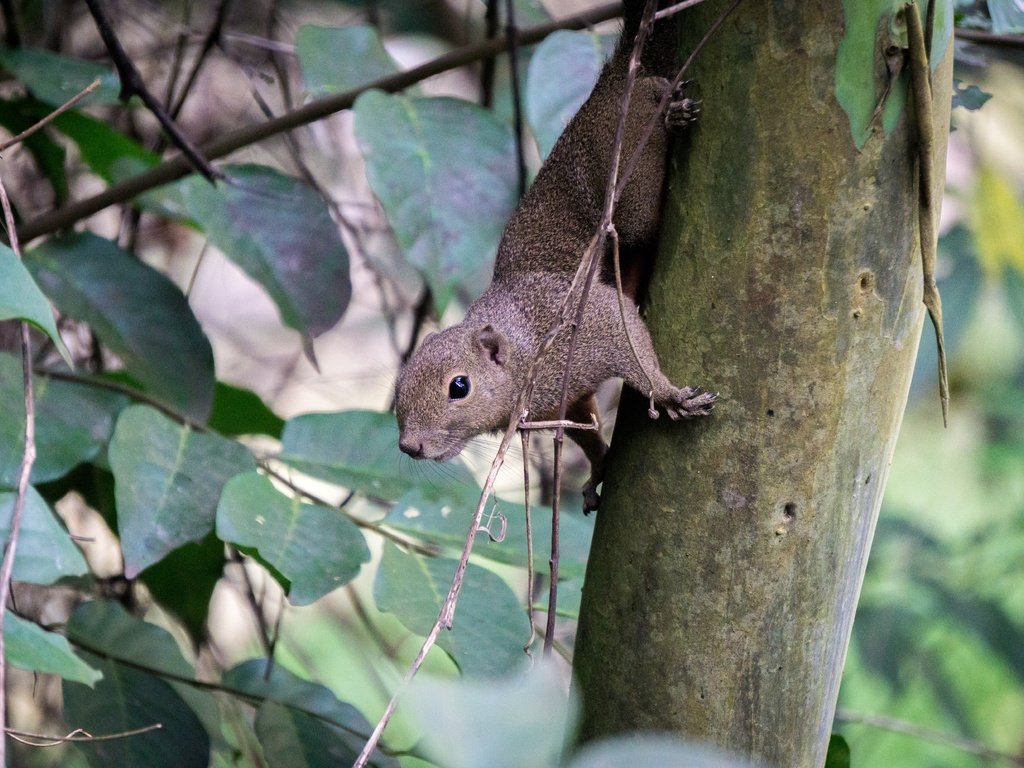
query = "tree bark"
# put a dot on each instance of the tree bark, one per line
(729, 551)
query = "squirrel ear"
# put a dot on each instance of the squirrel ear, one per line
(493, 344)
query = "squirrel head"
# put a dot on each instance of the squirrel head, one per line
(457, 385)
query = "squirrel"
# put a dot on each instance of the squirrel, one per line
(465, 380)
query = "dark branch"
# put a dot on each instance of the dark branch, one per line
(133, 85)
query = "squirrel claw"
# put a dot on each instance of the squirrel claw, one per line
(681, 113)
(688, 403)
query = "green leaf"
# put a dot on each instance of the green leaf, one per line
(490, 624)
(29, 646)
(838, 752)
(184, 580)
(445, 172)
(21, 299)
(238, 411)
(168, 481)
(45, 551)
(109, 153)
(339, 59)
(359, 450)
(315, 549)
(109, 630)
(970, 97)
(106, 628)
(440, 522)
(139, 314)
(73, 423)
(55, 79)
(301, 723)
(562, 73)
(857, 89)
(279, 231)
(530, 731)
(129, 698)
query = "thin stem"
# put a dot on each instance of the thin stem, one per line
(512, 37)
(28, 458)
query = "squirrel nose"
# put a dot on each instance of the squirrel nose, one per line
(411, 447)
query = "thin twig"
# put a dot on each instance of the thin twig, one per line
(254, 604)
(77, 735)
(512, 37)
(487, 66)
(927, 212)
(593, 261)
(666, 98)
(52, 115)
(672, 10)
(132, 84)
(212, 39)
(563, 423)
(895, 725)
(989, 38)
(177, 166)
(530, 576)
(28, 458)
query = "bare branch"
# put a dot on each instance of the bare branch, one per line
(132, 84)
(27, 460)
(51, 116)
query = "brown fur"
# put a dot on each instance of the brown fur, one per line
(539, 253)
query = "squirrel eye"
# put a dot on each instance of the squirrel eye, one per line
(458, 388)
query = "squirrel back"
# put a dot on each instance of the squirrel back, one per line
(466, 380)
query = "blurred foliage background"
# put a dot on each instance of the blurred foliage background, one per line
(308, 277)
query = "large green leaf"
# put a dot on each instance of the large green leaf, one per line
(109, 153)
(527, 718)
(562, 73)
(73, 423)
(105, 629)
(279, 231)
(314, 548)
(359, 450)
(436, 520)
(338, 59)
(490, 625)
(21, 299)
(29, 646)
(128, 699)
(135, 311)
(445, 172)
(301, 723)
(55, 79)
(654, 749)
(168, 481)
(45, 551)
(239, 411)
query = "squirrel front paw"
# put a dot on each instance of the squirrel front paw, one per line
(682, 111)
(688, 403)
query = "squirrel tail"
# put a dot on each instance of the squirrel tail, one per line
(660, 55)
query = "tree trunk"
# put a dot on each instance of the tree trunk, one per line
(729, 551)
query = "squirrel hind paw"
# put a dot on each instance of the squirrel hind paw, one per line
(682, 111)
(688, 403)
